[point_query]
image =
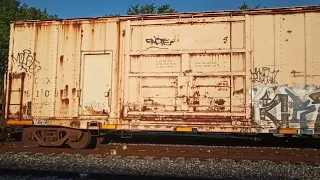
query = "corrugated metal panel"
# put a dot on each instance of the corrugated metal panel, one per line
(180, 37)
(46, 54)
(312, 28)
(102, 37)
(67, 64)
(22, 60)
(292, 58)
(94, 35)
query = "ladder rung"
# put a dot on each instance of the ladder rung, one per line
(15, 91)
(14, 104)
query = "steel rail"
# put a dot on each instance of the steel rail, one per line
(181, 151)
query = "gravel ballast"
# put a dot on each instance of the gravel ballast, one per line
(150, 166)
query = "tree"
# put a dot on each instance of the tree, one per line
(245, 6)
(112, 15)
(150, 9)
(13, 10)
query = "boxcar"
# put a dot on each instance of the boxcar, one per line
(251, 71)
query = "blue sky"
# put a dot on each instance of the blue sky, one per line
(94, 8)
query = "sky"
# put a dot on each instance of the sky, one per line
(96, 8)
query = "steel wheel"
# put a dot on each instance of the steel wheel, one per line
(81, 142)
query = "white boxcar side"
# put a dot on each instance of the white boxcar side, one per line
(231, 71)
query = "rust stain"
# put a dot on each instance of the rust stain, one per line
(66, 90)
(187, 72)
(150, 104)
(225, 39)
(24, 109)
(65, 102)
(61, 60)
(145, 108)
(220, 101)
(63, 97)
(29, 25)
(75, 124)
(76, 25)
(61, 94)
(95, 112)
(240, 91)
(74, 90)
(118, 83)
(209, 119)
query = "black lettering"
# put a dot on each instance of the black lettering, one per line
(264, 75)
(159, 41)
(27, 62)
(46, 93)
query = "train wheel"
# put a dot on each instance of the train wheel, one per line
(94, 142)
(28, 137)
(79, 139)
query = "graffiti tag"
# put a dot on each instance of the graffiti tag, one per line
(159, 41)
(299, 105)
(27, 62)
(291, 107)
(264, 75)
(267, 106)
(39, 121)
(95, 105)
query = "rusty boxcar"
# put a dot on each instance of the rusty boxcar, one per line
(251, 71)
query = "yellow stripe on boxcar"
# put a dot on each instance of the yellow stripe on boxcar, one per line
(108, 126)
(184, 129)
(288, 131)
(18, 122)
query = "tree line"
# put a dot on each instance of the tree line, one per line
(13, 10)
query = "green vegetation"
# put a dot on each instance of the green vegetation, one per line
(13, 10)
(245, 6)
(150, 9)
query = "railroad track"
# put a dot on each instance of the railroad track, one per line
(181, 151)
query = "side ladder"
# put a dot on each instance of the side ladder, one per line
(11, 91)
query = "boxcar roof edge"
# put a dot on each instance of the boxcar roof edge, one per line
(277, 10)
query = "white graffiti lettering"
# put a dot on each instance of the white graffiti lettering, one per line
(39, 121)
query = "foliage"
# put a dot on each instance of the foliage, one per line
(150, 9)
(245, 6)
(113, 15)
(13, 10)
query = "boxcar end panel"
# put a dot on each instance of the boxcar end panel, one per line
(285, 74)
